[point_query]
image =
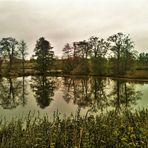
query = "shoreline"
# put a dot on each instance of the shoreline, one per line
(61, 74)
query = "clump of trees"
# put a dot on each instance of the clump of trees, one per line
(98, 53)
(8, 48)
(124, 55)
(98, 56)
(143, 58)
(13, 55)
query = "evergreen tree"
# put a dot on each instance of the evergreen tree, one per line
(43, 55)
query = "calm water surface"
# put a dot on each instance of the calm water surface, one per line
(67, 95)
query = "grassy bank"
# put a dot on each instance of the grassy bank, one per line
(105, 130)
(137, 74)
(140, 72)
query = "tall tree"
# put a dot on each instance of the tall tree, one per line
(43, 55)
(121, 46)
(67, 51)
(9, 50)
(99, 48)
(23, 50)
(67, 58)
(81, 54)
(83, 49)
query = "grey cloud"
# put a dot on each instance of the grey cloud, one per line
(63, 21)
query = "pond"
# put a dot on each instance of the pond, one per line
(69, 95)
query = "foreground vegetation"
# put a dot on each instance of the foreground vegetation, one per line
(111, 129)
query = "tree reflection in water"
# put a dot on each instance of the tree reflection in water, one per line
(124, 96)
(100, 94)
(91, 93)
(43, 88)
(86, 92)
(24, 92)
(77, 90)
(12, 90)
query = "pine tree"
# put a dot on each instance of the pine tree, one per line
(43, 55)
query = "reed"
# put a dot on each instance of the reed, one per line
(128, 129)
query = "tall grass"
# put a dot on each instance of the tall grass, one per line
(105, 130)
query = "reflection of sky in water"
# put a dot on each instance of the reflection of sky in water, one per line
(144, 102)
(60, 104)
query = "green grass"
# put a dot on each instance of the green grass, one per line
(105, 130)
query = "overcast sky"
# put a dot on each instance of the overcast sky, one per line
(63, 21)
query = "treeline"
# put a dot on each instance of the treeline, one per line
(97, 56)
